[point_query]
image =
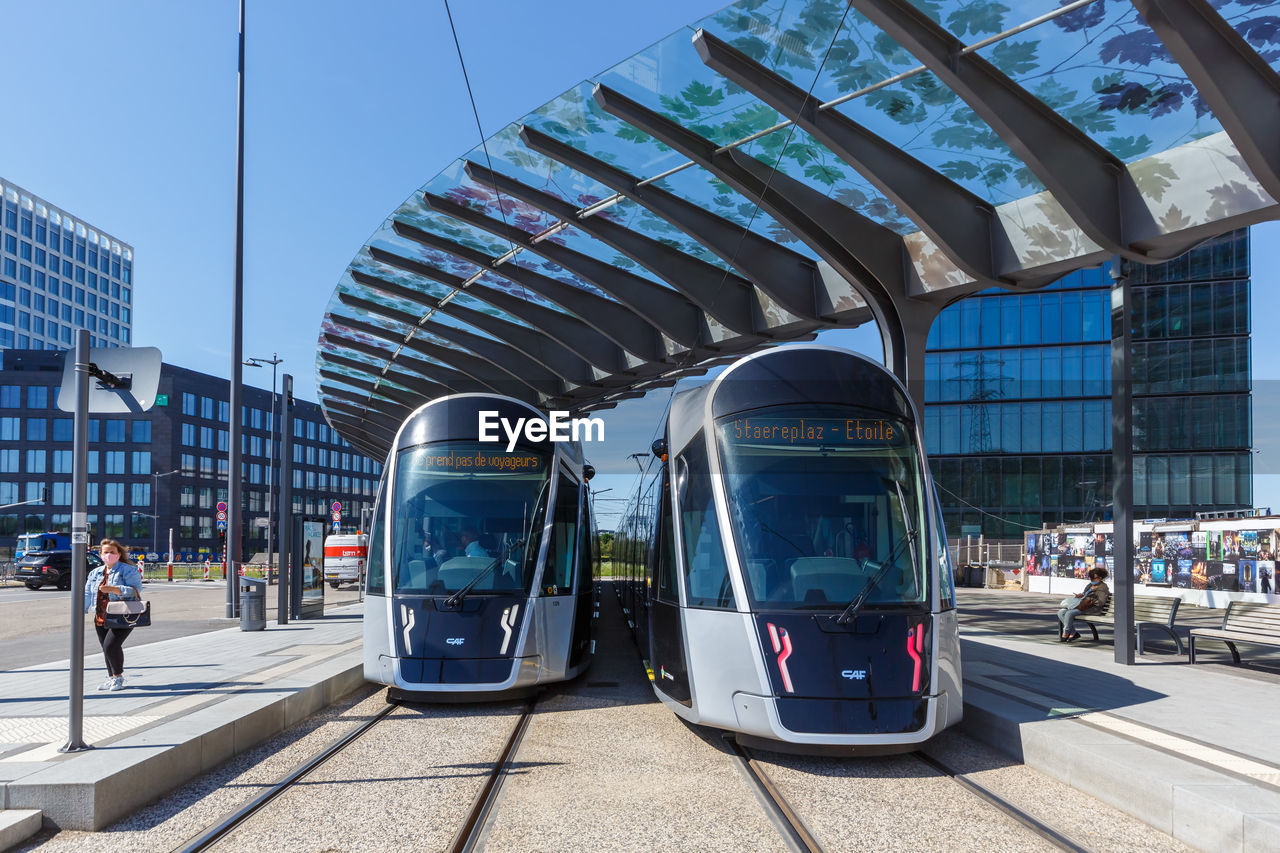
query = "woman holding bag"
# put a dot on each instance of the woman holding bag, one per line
(115, 580)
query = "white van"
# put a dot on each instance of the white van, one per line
(344, 558)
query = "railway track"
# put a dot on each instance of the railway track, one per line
(471, 830)
(799, 838)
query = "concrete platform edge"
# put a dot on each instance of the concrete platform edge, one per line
(94, 790)
(17, 825)
(1201, 807)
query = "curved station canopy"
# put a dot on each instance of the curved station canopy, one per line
(788, 166)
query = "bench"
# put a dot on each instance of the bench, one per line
(1149, 611)
(1244, 622)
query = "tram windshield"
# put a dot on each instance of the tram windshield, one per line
(462, 513)
(822, 499)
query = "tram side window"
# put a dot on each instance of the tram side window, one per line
(587, 544)
(666, 586)
(377, 571)
(946, 575)
(557, 579)
(706, 572)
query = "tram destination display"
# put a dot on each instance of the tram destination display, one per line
(480, 461)
(817, 432)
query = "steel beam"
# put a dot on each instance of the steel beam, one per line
(866, 254)
(497, 378)
(720, 293)
(788, 277)
(612, 319)
(1238, 85)
(425, 388)
(496, 352)
(372, 420)
(958, 221)
(386, 405)
(404, 398)
(573, 333)
(359, 435)
(536, 344)
(453, 380)
(679, 318)
(1085, 178)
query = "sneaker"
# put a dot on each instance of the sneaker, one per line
(108, 684)
(117, 683)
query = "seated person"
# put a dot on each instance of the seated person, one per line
(471, 546)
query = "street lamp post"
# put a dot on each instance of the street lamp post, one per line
(271, 459)
(155, 502)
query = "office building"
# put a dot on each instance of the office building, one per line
(1018, 407)
(165, 469)
(59, 274)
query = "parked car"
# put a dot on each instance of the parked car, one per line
(344, 556)
(50, 568)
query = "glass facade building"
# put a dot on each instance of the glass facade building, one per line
(1018, 408)
(59, 274)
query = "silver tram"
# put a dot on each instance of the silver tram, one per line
(481, 558)
(786, 570)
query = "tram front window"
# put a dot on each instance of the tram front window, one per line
(463, 512)
(820, 500)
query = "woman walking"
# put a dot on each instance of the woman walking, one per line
(115, 580)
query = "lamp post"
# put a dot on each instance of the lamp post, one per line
(271, 458)
(155, 502)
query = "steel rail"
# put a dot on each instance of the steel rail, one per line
(482, 806)
(1048, 833)
(789, 824)
(218, 831)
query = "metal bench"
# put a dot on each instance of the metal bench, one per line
(1244, 622)
(1149, 611)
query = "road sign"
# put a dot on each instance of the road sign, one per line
(336, 525)
(337, 516)
(162, 399)
(222, 525)
(222, 506)
(337, 506)
(222, 516)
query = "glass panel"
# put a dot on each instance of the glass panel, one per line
(793, 504)
(463, 511)
(557, 577)
(706, 570)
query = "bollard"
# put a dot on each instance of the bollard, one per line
(206, 569)
(171, 573)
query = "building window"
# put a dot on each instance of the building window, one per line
(224, 440)
(187, 526)
(62, 461)
(141, 432)
(114, 431)
(37, 429)
(206, 498)
(188, 463)
(206, 527)
(37, 397)
(113, 462)
(206, 408)
(141, 461)
(61, 494)
(113, 525)
(206, 438)
(10, 397)
(189, 435)
(113, 494)
(35, 461)
(140, 494)
(187, 498)
(206, 465)
(10, 461)
(188, 404)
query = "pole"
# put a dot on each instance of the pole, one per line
(271, 462)
(237, 355)
(283, 594)
(79, 544)
(155, 507)
(1122, 460)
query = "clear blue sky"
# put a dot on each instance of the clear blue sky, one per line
(123, 114)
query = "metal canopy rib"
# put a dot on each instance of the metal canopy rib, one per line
(789, 278)
(1238, 85)
(679, 318)
(568, 330)
(553, 361)
(1082, 175)
(404, 398)
(455, 381)
(426, 388)
(610, 318)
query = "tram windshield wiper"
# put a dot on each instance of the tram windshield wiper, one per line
(907, 539)
(456, 599)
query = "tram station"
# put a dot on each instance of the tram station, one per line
(780, 636)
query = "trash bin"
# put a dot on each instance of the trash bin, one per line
(253, 604)
(975, 577)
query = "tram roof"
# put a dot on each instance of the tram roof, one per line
(744, 181)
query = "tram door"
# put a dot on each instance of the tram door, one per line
(584, 580)
(669, 671)
(558, 576)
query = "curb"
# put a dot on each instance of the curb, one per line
(17, 825)
(97, 788)
(1203, 807)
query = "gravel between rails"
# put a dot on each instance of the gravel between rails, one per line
(174, 819)
(407, 784)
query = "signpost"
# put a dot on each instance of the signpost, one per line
(337, 516)
(127, 379)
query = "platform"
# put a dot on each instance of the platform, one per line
(1191, 751)
(190, 704)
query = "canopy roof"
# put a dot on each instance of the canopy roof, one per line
(783, 167)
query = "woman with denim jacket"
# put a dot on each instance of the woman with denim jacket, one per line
(115, 580)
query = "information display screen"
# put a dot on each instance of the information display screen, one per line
(817, 432)
(478, 461)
